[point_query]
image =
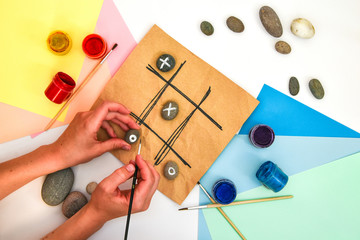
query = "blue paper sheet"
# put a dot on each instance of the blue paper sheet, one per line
(289, 117)
(304, 139)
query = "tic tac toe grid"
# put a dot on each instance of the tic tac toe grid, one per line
(168, 144)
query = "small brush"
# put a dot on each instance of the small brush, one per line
(131, 196)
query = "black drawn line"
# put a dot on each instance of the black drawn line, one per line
(148, 127)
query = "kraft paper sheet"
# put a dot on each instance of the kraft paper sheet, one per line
(201, 141)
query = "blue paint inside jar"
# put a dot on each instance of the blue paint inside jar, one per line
(271, 176)
(224, 191)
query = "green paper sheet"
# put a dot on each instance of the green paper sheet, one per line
(325, 206)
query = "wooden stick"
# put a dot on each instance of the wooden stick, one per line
(223, 213)
(82, 85)
(238, 202)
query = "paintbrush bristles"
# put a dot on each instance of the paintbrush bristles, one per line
(115, 45)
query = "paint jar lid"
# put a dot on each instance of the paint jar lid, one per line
(262, 136)
(271, 176)
(94, 46)
(224, 191)
(59, 42)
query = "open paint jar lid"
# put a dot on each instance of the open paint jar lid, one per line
(94, 46)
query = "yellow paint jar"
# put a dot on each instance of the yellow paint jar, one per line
(59, 42)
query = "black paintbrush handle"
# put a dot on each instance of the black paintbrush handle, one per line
(130, 203)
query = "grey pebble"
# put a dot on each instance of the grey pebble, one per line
(271, 21)
(169, 110)
(207, 28)
(57, 186)
(235, 24)
(165, 62)
(90, 188)
(282, 47)
(294, 86)
(171, 170)
(73, 203)
(316, 88)
(132, 136)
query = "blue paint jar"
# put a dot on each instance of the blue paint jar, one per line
(262, 136)
(224, 191)
(271, 176)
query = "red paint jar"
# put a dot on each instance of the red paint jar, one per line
(94, 46)
(60, 88)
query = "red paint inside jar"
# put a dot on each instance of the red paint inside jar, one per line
(94, 46)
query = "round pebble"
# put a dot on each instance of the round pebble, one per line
(171, 170)
(282, 47)
(235, 24)
(90, 188)
(316, 88)
(57, 186)
(73, 203)
(165, 62)
(303, 28)
(294, 86)
(271, 21)
(169, 110)
(132, 136)
(207, 28)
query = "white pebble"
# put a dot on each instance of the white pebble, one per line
(303, 28)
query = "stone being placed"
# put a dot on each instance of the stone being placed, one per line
(303, 28)
(270, 21)
(132, 136)
(57, 186)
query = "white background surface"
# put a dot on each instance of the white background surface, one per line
(248, 58)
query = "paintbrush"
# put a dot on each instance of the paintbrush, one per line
(222, 212)
(131, 196)
(81, 86)
(238, 202)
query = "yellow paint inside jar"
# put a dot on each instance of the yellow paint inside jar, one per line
(59, 43)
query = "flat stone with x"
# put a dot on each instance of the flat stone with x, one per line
(165, 63)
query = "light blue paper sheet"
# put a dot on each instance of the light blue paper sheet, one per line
(304, 139)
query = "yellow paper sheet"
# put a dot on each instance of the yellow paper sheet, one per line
(27, 66)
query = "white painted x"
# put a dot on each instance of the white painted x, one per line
(164, 62)
(169, 109)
